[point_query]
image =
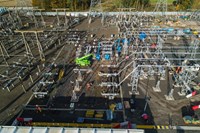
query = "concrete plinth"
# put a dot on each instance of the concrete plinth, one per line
(181, 94)
(169, 98)
(134, 93)
(156, 89)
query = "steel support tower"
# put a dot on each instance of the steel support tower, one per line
(161, 6)
(134, 80)
(95, 10)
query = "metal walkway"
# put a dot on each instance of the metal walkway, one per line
(13, 129)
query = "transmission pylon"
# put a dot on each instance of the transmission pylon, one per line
(161, 6)
(95, 9)
(26, 6)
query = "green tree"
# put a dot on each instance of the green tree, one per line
(76, 5)
(141, 4)
(137, 4)
(58, 3)
(184, 4)
(44, 4)
(196, 4)
(127, 3)
(84, 4)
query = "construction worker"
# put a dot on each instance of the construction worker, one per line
(178, 70)
(145, 117)
(38, 109)
(88, 86)
(153, 45)
(127, 57)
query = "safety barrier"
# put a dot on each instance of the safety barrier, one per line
(87, 125)
(152, 127)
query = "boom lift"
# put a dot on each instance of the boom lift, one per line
(84, 61)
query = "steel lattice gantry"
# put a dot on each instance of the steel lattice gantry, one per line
(95, 10)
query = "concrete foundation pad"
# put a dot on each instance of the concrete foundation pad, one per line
(169, 98)
(156, 89)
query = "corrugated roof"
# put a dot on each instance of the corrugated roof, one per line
(20, 129)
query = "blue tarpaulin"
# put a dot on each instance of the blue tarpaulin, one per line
(3, 10)
(142, 35)
(187, 31)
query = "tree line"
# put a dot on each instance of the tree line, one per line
(72, 5)
(83, 5)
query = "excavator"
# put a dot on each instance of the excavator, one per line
(84, 61)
